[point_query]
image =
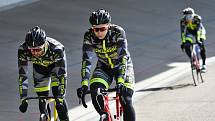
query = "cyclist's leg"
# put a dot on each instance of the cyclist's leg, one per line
(58, 69)
(126, 96)
(97, 100)
(41, 85)
(202, 52)
(102, 78)
(188, 43)
(61, 106)
(127, 104)
(187, 47)
(202, 47)
(42, 103)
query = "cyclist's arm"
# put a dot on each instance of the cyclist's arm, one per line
(23, 71)
(198, 22)
(87, 51)
(123, 55)
(183, 30)
(61, 68)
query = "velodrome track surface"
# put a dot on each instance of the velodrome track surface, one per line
(152, 29)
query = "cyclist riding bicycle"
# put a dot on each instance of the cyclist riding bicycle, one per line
(108, 41)
(49, 70)
(192, 27)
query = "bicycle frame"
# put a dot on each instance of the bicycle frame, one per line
(195, 62)
(49, 100)
(107, 98)
(195, 56)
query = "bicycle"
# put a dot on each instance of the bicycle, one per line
(195, 63)
(105, 93)
(46, 116)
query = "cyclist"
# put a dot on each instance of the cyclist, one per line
(108, 41)
(49, 70)
(191, 26)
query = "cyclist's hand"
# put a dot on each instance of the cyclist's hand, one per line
(182, 46)
(23, 107)
(200, 43)
(81, 90)
(120, 88)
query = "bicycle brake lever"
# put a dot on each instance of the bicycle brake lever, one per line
(83, 101)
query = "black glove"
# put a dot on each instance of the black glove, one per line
(121, 88)
(23, 107)
(81, 90)
(200, 42)
(182, 46)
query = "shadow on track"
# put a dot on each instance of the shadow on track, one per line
(179, 86)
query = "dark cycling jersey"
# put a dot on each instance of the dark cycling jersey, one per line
(112, 52)
(53, 60)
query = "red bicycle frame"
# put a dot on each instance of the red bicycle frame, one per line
(195, 56)
(107, 99)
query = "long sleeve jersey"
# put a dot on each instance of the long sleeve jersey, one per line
(112, 51)
(55, 56)
(194, 27)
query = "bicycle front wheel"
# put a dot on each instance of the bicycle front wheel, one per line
(201, 76)
(196, 76)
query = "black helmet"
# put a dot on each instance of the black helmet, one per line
(35, 37)
(100, 16)
(188, 11)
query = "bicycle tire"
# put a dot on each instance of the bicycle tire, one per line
(201, 77)
(196, 71)
(195, 76)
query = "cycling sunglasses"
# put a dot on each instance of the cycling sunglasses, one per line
(36, 49)
(189, 17)
(102, 29)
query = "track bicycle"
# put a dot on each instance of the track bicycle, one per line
(46, 116)
(118, 116)
(195, 63)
